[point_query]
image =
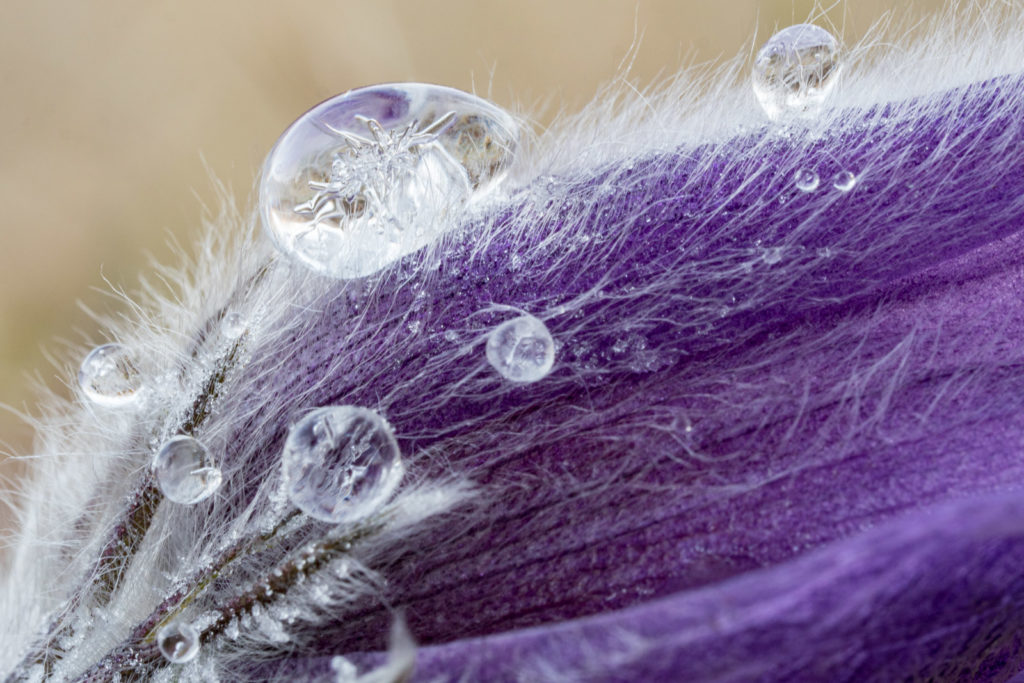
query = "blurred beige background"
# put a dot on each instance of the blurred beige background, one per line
(110, 107)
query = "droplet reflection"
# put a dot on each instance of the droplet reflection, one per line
(796, 70)
(185, 471)
(521, 349)
(341, 463)
(374, 174)
(109, 375)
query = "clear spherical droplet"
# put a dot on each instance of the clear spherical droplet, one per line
(796, 70)
(178, 642)
(806, 180)
(374, 174)
(521, 349)
(109, 375)
(233, 325)
(185, 471)
(844, 181)
(341, 463)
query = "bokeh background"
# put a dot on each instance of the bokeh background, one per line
(116, 116)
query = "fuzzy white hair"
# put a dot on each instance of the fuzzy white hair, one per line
(87, 461)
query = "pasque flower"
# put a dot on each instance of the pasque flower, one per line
(782, 437)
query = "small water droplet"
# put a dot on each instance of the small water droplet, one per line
(772, 255)
(178, 642)
(341, 463)
(844, 181)
(372, 175)
(806, 180)
(796, 70)
(234, 325)
(521, 349)
(109, 375)
(185, 471)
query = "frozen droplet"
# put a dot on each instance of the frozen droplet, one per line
(844, 181)
(341, 463)
(369, 176)
(109, 375)
(796, 70)
(178, 642)
(234, 325)
(806, 180)
(521, 349)
(185, 470)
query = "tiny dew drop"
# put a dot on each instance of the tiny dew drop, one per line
(341, 463)
(109, 375)
(233, 325)
(796, 70)
(806, 180)
(844, 181)
(178, 642)
(185, 471)
(521, 349)
(371, 175)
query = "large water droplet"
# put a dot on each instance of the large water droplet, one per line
(341, 463)
(806, 180)
(371, 175)
(521, 349)
(178, 642)
(796, 70)
(109, 375)
(844, 181)
(185, 470)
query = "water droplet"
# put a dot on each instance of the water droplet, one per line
(109, 375)
(185, 471)
(844, 181)
(806, 180)
(341, 463)
(234, 325)
(521, 349)
(178, 642)
(796, 70)
(372, 175)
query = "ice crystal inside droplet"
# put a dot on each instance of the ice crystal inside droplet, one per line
(806, 180)
(376, 173)
(341, 463)
(521, 349)
(185, 471)
(109, 375)
(178, 642)
(796, 70)
(844, 181)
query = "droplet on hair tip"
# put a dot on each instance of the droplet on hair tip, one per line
(178, 642)
(796, 70)
(372, 175)
(521, 349)
(109, 375)
(185, 471)
(341, 463)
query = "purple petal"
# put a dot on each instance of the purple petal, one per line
(718, 410)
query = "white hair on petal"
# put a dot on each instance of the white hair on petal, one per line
(87, 461)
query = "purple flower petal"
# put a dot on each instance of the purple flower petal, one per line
(746, 373)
